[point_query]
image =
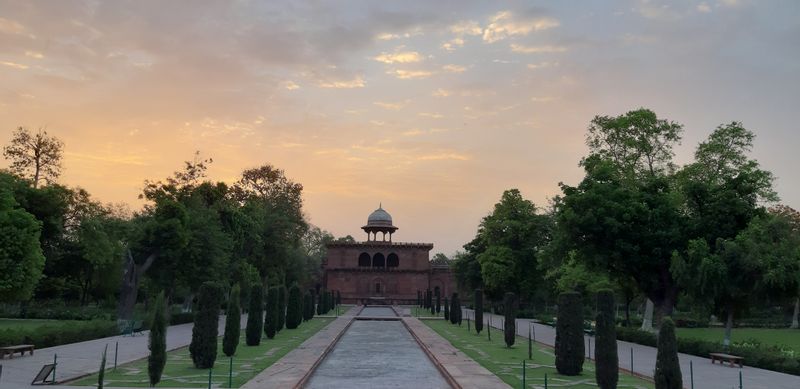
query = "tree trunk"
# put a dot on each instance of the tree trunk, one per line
(728, 327)
(795, 323)
(129, 288)
(647, 319)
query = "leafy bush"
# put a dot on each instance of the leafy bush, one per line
(605, 352)
(668, 368)
(56, 334)
(569, 334)
(203, 347)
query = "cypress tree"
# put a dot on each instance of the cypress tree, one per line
(446, 309)
(668, 369)
(281, 318)
(203, 347)
(438, 303)
(158, 341)
(338, 298)
(102, 373)
(255, 318)
(321, 303)
(478, 310)
(510, 312)
(569, 334)
(271, 316)
(455, 309)
(307, 305)
(232, 323)
(428, 299)
(313, 309)
(294, 305)
(605, 351)
(419, 298)
(329, 303)
(433, 306)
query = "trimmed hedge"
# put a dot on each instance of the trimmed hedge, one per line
(478, 310)
(157, 344)
(668, 368)
(510, 317)
(605, 352)
(762, 357)
(569, 334)
(294, 314)
(203, 348)
(254, 318)
(233, 317)
(56, 334)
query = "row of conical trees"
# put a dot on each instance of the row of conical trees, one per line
(282, 309)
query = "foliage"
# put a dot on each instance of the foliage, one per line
(569, 334)
(21, 258)
(203, 347)
(321, 303)
(57, 333)
(446, 309)
(455, 309)
(668, 369)
(478, 310)
(233, 317)
(36, 156)
(158, 341)
(102, 372)
(255, 314)
(271, 315)
(281, 309)
(294, 314)
(308, 306)
(605, 352)
(438, 303)
(510, 317)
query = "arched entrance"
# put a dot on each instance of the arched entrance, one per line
(378, 260)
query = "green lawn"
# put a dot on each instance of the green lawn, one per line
(425, 312)
(767, 336)
(179, 371)
(31, 323)
(506, 363)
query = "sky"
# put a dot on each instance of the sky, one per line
(432, 108)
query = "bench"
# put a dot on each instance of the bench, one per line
(722, 357)
(11, 350)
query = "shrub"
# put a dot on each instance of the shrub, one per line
(455, 309)
(313, 309)
(271, 315)
(102, 372)
(668, 368)
(56, 334)
(233, 317)
(478, 310)
(158, 341)
(446, 309)
(321, 303)
(605, 352)
(254, 318)
(338, 298)
(510, 312)
(419, 298)
(569, 334)
(294, 315)
(438, 304)
(203, 347)
(281, 309)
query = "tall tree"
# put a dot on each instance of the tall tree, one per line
(36, 156)
(158, 341)
(271, 315)
(605, 351)
(478, 310)
(255, 315)
(21, 258)
(569, 334)
(510, 317)
(793, 217)
(233, 319)
(294, 314)
(203, 347)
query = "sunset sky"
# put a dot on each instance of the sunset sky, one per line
(432, 108)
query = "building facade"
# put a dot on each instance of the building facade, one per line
(380, 271)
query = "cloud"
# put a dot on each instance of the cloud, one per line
(452, 44)
(14, 65)
(399, 57)
(504, 25)
(413, 132)
(441, 93)
(703, 7)
(11, 26)
(34, 54)
(391, 106)
(451, 68)
(461, 30)
(541, 65)
(409, 74)
(433, 115)
(443, 156)
(290, 85)
(543, 99)
(357, 82)
(537, 49)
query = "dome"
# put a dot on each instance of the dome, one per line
(379, 218)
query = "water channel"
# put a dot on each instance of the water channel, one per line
(377, 354)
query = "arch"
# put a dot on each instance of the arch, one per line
(378, 260)
(392, 260)
(364, 260)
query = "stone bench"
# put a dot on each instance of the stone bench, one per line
(722, 357)
(11, 350)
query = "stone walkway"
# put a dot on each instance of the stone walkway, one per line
(706, 375)
(79, 359)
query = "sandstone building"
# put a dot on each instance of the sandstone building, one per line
(380, 271)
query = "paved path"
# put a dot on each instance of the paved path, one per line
(706, 375)
(79, 359)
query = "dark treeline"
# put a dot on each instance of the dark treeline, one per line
(63, 245)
